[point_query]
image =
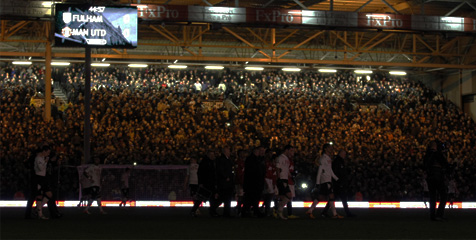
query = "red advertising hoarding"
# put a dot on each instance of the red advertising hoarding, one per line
(273, 16)
(384, 20)
(170, 13)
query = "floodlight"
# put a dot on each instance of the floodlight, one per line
(21, 62)
(100, 64)
(327, 70)
(254, 68)
(214, 67)
(363, 71)
(291, 69)
(398, 73)
(60, 63)
(178, 66)
(134, 65)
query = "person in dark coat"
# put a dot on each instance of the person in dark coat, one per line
(225, 183)
(207, 180)
(339, 167)
(436, 166)
(253, 185)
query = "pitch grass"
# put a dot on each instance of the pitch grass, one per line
(176, 223)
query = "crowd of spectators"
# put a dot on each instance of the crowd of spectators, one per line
(158, 116)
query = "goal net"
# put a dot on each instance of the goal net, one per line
(145, 182)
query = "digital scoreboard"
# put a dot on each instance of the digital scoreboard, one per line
(95, 26)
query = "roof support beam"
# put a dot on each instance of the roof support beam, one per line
(164, 34)
(367, 43)
(117, 51)
(311, 49)
(471, 5)
(393, 57)
(300, 4)
(15, 28)
(200, 33)
(361, 7)
(246, 42)
(270, 1)
(256, 35)
(470, 56)
(310, 3)
(303, 42)
(399, 7)
(325, 55)
(273, 41)
(455, 9)
(288, 36)
(457, 1)
(344, 40)
(373, 45)
(172, 38)
(390, 6)
(262, 60)
(206, 2)
(3, 29)
(424, 43)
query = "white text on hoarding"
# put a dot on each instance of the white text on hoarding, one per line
(383, 21)
(160, 12)
(273, 16)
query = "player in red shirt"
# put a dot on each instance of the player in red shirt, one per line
(271, 178)
(292, 188)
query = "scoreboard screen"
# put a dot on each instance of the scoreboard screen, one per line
(95, 26)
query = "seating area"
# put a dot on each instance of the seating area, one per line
(157, 116)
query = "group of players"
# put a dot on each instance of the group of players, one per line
(90, 186)
(250, 178)
(41, 185)
(264, 176)
(40, 179)
(90, 182)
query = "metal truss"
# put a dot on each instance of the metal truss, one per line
(239, 44)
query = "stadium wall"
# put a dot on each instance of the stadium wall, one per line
(470, 105)
(459, 87)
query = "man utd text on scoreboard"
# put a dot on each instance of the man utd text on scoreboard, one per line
(95, 26)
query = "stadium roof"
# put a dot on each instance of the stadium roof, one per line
(161, 42)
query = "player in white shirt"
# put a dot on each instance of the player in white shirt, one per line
(324, 181)
(40, 164)
(94, 173)
(282, 166)
(85, 183)
(192, 181)
(292, 188)
(125, 186)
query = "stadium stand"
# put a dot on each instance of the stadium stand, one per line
(157, 116)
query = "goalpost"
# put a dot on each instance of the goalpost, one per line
(145, 182)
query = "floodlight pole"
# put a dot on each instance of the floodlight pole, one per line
(87, 106)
